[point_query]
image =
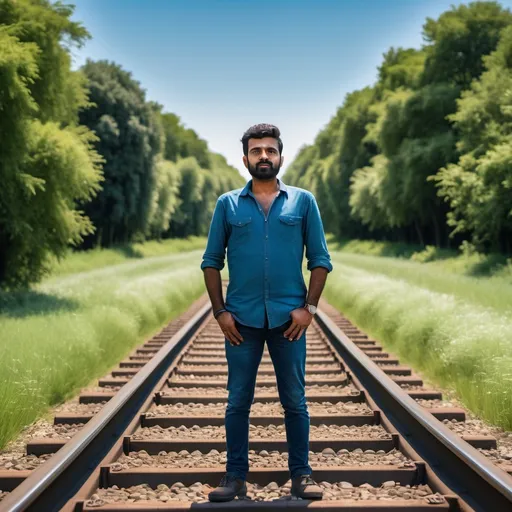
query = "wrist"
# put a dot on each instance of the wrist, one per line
(217, 313)
(311, 308)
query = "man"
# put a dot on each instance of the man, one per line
(264, 227)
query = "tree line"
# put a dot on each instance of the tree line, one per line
(85, 159)
(425, 154)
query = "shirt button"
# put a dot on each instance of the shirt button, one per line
(266, 220)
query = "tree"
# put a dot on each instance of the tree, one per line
(46, 167)
(478, 188)
(182, 143)
(58, 92)
(129, 138)
(165, 199)
(185, 222)
(457, 41)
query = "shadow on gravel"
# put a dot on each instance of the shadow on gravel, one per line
(27, 303)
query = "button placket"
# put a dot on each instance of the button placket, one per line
(266, 263)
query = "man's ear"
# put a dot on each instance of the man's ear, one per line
(246, 163)
(282, 160)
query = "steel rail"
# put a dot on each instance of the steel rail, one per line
(462, 467)
(56, 481)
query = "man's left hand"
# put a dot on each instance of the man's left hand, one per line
(301, 318)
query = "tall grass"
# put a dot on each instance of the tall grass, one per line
(457, 343)
(81, 261)
(494, 292)
(73, 328)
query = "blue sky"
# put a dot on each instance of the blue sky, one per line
(224, 65)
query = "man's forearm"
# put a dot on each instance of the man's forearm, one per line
(316, 285)
(213, 283)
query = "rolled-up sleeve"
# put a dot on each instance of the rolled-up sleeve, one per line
(316, 245)
(215, 252)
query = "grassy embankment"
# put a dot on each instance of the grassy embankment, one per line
(77, 324)
(437, 316)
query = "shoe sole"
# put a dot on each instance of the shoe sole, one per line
(224, 500)
(310, 497)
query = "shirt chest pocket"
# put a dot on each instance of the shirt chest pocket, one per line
(290, 227)
(240, 228)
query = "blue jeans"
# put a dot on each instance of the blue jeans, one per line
(289, 360)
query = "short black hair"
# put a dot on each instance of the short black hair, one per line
(259, 131)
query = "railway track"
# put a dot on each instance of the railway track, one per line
(151, 435)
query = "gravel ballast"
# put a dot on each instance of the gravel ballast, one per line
(257, 409)
(261, 432)
(19, 461)
(264, 366)
(311, 390)
(313, 376)
(198, 493)
(261, 459)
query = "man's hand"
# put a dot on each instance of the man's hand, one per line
(301, 318)
(227, 324)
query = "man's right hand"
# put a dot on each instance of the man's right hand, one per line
(227, 324)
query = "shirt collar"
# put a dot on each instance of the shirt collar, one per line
(248, 187)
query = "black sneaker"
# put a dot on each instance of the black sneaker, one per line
(306, 488)
(229, 488)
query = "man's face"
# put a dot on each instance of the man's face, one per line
(263, 160)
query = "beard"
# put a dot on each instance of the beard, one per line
(264, 173)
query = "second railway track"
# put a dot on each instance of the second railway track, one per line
(151, 436)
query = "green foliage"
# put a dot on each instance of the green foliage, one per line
(365, 193)
(478, 187)
(160, 178)
(129, 139)
(182, 143)
(375, 166)
(186, 220)
(59, 170)
(165, 198)
(460, 38)
(401, 69)
(58, 91)
(46, 170)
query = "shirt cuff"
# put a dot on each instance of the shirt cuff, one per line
(320, 262)
(212, 263)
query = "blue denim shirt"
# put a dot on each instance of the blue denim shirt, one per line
(265, 254)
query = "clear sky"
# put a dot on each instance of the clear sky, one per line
(224, 65)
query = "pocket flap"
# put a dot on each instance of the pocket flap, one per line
(290, 219)
(239, 221)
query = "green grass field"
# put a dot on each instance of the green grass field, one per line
(81, 261)
(73, 327)
(455, 328)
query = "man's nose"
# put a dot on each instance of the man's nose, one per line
(264, 155)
